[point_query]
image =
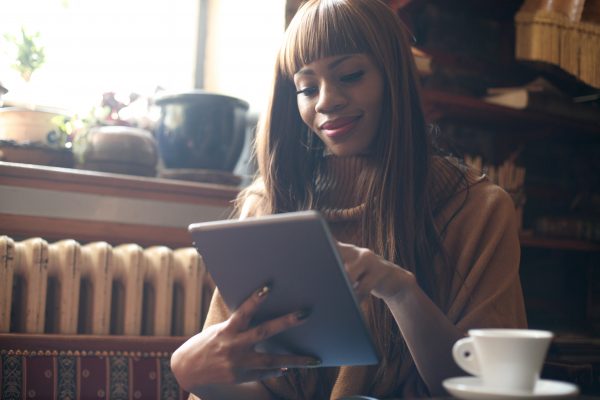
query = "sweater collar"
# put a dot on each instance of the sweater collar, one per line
(342, 184)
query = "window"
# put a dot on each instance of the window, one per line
(242, 41)
(95, 46)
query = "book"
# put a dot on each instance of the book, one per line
(422, 61)
(541, 95)
(521, 97)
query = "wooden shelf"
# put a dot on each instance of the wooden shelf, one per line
(528, 240)
(175, 191)
(440, 105)
(95, 206)
(101, 183)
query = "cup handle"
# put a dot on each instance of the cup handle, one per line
(463, 352)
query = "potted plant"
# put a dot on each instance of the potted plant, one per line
(30, 132)
(31, 54)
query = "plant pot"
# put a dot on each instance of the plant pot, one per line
(35, 154)
(201, 130)
(29, 126)
(117, 149)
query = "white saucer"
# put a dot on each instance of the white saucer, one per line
(471, 388)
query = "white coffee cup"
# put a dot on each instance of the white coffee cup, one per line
(506, 359)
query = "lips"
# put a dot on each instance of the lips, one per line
(339, 126)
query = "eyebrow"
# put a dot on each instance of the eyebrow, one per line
(331, 65)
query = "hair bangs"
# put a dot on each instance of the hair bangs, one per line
(322, 29)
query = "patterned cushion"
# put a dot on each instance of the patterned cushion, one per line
(87, 367)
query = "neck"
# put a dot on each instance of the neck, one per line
(343, 183)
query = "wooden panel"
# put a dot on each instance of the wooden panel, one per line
(558, 243)
(84, 231)
(48, 343)
(72, 180)
(440, 104)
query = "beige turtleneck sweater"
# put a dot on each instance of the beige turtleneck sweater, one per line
(482, 246)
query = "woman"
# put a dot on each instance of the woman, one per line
(432, 248)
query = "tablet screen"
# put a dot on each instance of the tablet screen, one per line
(296, 254)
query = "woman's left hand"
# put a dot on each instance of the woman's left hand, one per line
(372, 274)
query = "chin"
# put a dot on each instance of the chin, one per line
(342, 152)
(348, 150)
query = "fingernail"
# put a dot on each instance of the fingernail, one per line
(313, 363)
(302, 314)
(263, 291)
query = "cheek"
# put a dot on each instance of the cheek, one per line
(306, 113)
(376, 93)
(377, 106)
(375, 101)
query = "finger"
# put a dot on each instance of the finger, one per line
(345, 249)
(272, 327)
(362, 288)
(350, 255)
(240, 319)
(355, 271)
(356, 276)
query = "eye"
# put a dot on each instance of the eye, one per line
(308, 91)
(353, 77)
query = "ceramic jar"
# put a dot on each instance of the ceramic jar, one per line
(200, 130)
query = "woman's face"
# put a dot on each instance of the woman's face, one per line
(340, 99)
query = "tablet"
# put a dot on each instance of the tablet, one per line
(296, 254)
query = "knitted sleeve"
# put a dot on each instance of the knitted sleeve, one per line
(482, 245)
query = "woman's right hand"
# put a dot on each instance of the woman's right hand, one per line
(225, 353)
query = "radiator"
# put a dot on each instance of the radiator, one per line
(70, 288)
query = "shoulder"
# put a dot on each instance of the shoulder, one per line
(491, 203)
(449, 177)
(457, 190)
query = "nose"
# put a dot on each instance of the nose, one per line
(331, 98)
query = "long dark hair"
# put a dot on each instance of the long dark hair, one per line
(398, 223)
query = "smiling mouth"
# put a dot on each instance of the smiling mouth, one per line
(339, 127)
